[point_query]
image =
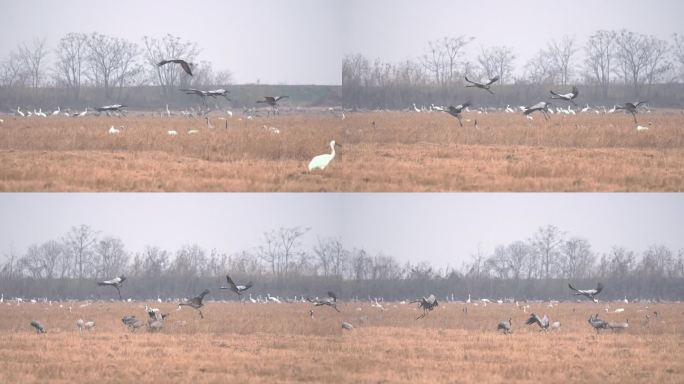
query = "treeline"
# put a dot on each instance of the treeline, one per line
(97, 69)
(616, 66)
(535, 268)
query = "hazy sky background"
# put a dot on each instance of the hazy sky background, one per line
(444, 229)
(397, 30)
(276, 41)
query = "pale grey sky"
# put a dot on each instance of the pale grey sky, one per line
(276, 41)
(397, 30)
(444, 229)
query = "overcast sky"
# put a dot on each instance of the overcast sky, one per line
(275, 41)
(444, 229)
(397, 30)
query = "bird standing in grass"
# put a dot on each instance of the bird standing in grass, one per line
(505, 326)
(37, 326)
(322, 161)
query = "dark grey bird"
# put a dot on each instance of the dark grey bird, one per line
(38, 326)
(566, 96)
(347, 326)
(111, 108)
(154, 324)
(542, 322)
(631, 108)
(456, 111)
(485, 86)
(330, 301)
(271, 100)
(204, 94)
(237, 288)
(426, 304)
(590, 293)
(196, 302)
(131, 322)
(505, 326)
(597, 323)
(116, 282)
(541, 106)
(187, 67)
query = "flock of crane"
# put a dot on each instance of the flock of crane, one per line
(156, 319)
(543, 107)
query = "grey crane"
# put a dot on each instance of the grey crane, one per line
(597, 323)
(330, 301)
(589, 293)
(541, 106)
(542, 322)
(456, 111)
(631, 108)
(112, 108)
(196, 302)
(426, 304)
(116, 282)
(237, 288)
(131, 322)
(38, 326)
(204, 94)
(566, 96)
(485, 86)
(272, 101)
(505, 326)
(347, 326)
(187, 67)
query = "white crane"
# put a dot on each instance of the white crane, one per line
(322, 161)
(57, 111)
(172, 133)
(84, 113)
(416, 109)
(113, 131)
(20, 113)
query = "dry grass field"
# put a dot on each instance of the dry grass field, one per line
(267, 343)
(402, 152)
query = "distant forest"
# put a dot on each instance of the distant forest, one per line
(538, 267)
(611, 67)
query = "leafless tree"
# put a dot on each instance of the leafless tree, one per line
(497, 61)
(191, 261)
(561, 54)
(12, 71)
(110, 257)
(33, 59)
(576, 258)
(621, 263)
(444, 57)
(679, 53)
(282, 249)
(69, 68)
(600, 53)
(540, 69)
(642, 59)
(79, 242)
(112, 61)
(546, 243)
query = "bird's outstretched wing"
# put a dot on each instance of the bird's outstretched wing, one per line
(573, 288)
(231, 284)
(575, 92)
(534, 319)
(470, 81)
(493, 80)
(331, 294)
(599, 288)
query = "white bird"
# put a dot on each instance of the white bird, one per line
(619, 310)
(192, 132)
(20, 113)
(468, 301)
(172, 133)
(322, 161)
(585, 109)
(509, 109)
(113, 131)
(625, 300)
(416, 109)
(642, 128)
(82, 114)
(229, 113)
(273, 298)
(57, 111)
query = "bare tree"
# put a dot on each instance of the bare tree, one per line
(576, 258)
(79, 242)
(110, 257)
(546, 242)
(679, 53)
(444, 57)
(12, 71)
(111, 61)
(69, 67)
(191, 261)
(561, 53)
(642, 59)
(600, 51)
(33, 59)
(621, 262)
(497, 61)
(282, 249)
(540, 69)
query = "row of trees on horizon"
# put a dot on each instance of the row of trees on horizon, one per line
(529, 267)
(611, 64)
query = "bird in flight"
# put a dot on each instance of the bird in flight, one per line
(237, 288)
(184, 64)
(566, 96)
(485, 86)
(196, 302)
(631, 108)
(330, 301)
(541, 106)
(116, 282)
(590, 293)
(427, 304)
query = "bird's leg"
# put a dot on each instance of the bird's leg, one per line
(634, 116)
(459, 121)
(119, 290)
(489, 90)
(200, 312)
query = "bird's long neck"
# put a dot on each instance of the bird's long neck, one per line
(332, 150)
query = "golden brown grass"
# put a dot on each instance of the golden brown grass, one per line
(279, 343)
(404, 152)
